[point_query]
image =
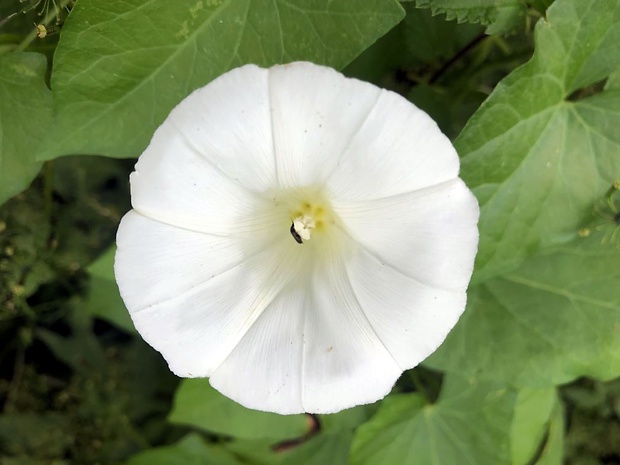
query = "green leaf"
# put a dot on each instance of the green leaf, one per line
(535, 158)
(255, 451)
(613, 82)
(80, 349)
(346, 419)
(552, 320)
(25, 113)
(330, 448)
(191, 450)
(104, 300)
(469, 425)
(531, 423)
(552, 452)
(119, 70)
(196, 403)
(500, 16)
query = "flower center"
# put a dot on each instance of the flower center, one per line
(307, 219)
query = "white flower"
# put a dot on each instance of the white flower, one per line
(299, 237)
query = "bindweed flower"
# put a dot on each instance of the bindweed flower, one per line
(298, 237)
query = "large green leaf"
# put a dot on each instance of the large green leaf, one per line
(25, 112)
(535, 158)
(196, 403)
(469, 425)
(500, 16)
(191, 450)
(555, 318)
(122, 65)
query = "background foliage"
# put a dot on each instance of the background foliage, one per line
(528, 91)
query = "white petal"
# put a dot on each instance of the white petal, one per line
(312, 350)
(212, 158)
(429, 235)
(175, 184)
(229, 123)
(264, 370)
(155, 261)
(398, 149)
(316, 112)
(197, 329)
(345, 362)
(410, 318)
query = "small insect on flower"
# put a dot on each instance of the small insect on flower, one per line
(295, 234)
(606, 214)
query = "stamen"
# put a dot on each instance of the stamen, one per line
(302, 227)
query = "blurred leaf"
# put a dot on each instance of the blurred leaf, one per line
(450, 108)
(80, 349)
(149, 387)
(330, 448)
(329, 444)
(104, 300)
(533, 412)
(555, 318)
(347, 419)
(196, 403)
(191, 450)
(25, 114)
(613, 82)
(535, 158)
(500, 16)
(119, 70)
(255, 451)
(552, 452)
(469, 425)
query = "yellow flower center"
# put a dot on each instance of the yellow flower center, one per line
(309, 218)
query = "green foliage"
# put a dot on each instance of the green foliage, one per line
(552, 450)
(197, 403)
(592, 419)
(25, 114)
(530, 424)
(536, 125)
(500, 16)
(119, 71)
(104, 299)
(541, 152)
(191, 450)
(561, 301)
(469, 425)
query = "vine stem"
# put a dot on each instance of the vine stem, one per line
(419, 386)
(462, 52)
(33, 34)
